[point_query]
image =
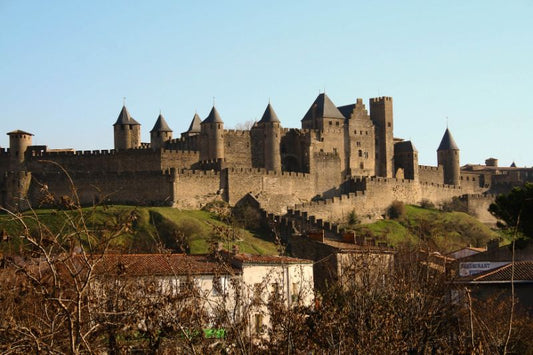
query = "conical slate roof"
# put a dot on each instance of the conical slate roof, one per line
(322, 107)
(195, 124)
(447, 142)
(161, 125)
(269, 115)
(125, 118)
(213, 117)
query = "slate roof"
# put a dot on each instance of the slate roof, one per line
(214, 117)
(125, 118)
(269, 115)
(322, 107)
(161, 125)
(18, 131)
(404, 147)
(195, 124)
(447, 142)
(523, 272)
(346, 110)
(160, 265)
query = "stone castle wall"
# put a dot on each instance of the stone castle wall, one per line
(237, 148)
(430, 174)
(139, 188)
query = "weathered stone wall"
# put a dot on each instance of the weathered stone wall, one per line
(275, 190)
(139, 188)
(326, 168)
(193, 189)
(430, 174)
(237, 150)
(374, 195)
(478, 205)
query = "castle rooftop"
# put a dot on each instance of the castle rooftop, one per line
(322, 107)
(214, 117)
(124, 118)
(269, 115)
(18, 131)
(161, 125)
(195, 124)
(447, 142)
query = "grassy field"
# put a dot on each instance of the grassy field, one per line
(151, 227)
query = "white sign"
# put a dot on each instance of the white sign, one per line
(476, 267)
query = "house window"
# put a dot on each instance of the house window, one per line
(218, 286)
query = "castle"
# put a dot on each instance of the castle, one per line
(342, 159)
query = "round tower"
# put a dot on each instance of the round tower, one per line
(160, 134)
(212, 137)
(19, 141)
(127, 131)
(271, 133)
(448, 157)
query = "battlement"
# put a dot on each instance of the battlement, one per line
(198, 173)
(344, 197)
(381, 180)
(380, 99)
(263, 171)
(429, 168)
(236, 132)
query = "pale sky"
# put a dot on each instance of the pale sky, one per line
(66, 66)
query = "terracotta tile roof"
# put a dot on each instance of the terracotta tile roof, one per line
(268, 259)
(523, 272)
(160, 265)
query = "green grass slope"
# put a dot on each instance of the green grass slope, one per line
(445, 231)
(149, 229)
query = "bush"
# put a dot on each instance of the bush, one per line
(396, 210)
(425, 203)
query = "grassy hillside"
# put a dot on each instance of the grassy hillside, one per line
(445, 231)
(150, 228)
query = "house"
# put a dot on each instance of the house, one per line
(234, 285)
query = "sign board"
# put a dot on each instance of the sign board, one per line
(476, 267)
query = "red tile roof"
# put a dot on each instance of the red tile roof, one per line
(161, 265)
(268, 259)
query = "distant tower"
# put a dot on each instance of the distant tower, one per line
(19, 141)
(212, 137)
(270, 125)
(160, 133)
(448, 157)
(195, 127)
(381, 116)
(127, 131)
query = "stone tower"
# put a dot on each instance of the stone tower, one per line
(127, 131)
(212, 137)
(448, 157)
(270, 125)
(381, 116)
(406, 159)
(322, 114)
(19, 141)
(160, 133)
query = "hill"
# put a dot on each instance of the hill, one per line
(147, 229)
(444, 231)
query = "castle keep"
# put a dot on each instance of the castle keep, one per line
(342, 158)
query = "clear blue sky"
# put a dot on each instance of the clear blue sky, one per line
(65, 67)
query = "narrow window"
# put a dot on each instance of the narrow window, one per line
(360, 152)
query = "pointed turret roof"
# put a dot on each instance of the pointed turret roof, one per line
(513, 165)
(213, 117)
(125, 118)
(447, 142)
(323, 107)
(161, 125)
(269, 115)
(195, 124)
